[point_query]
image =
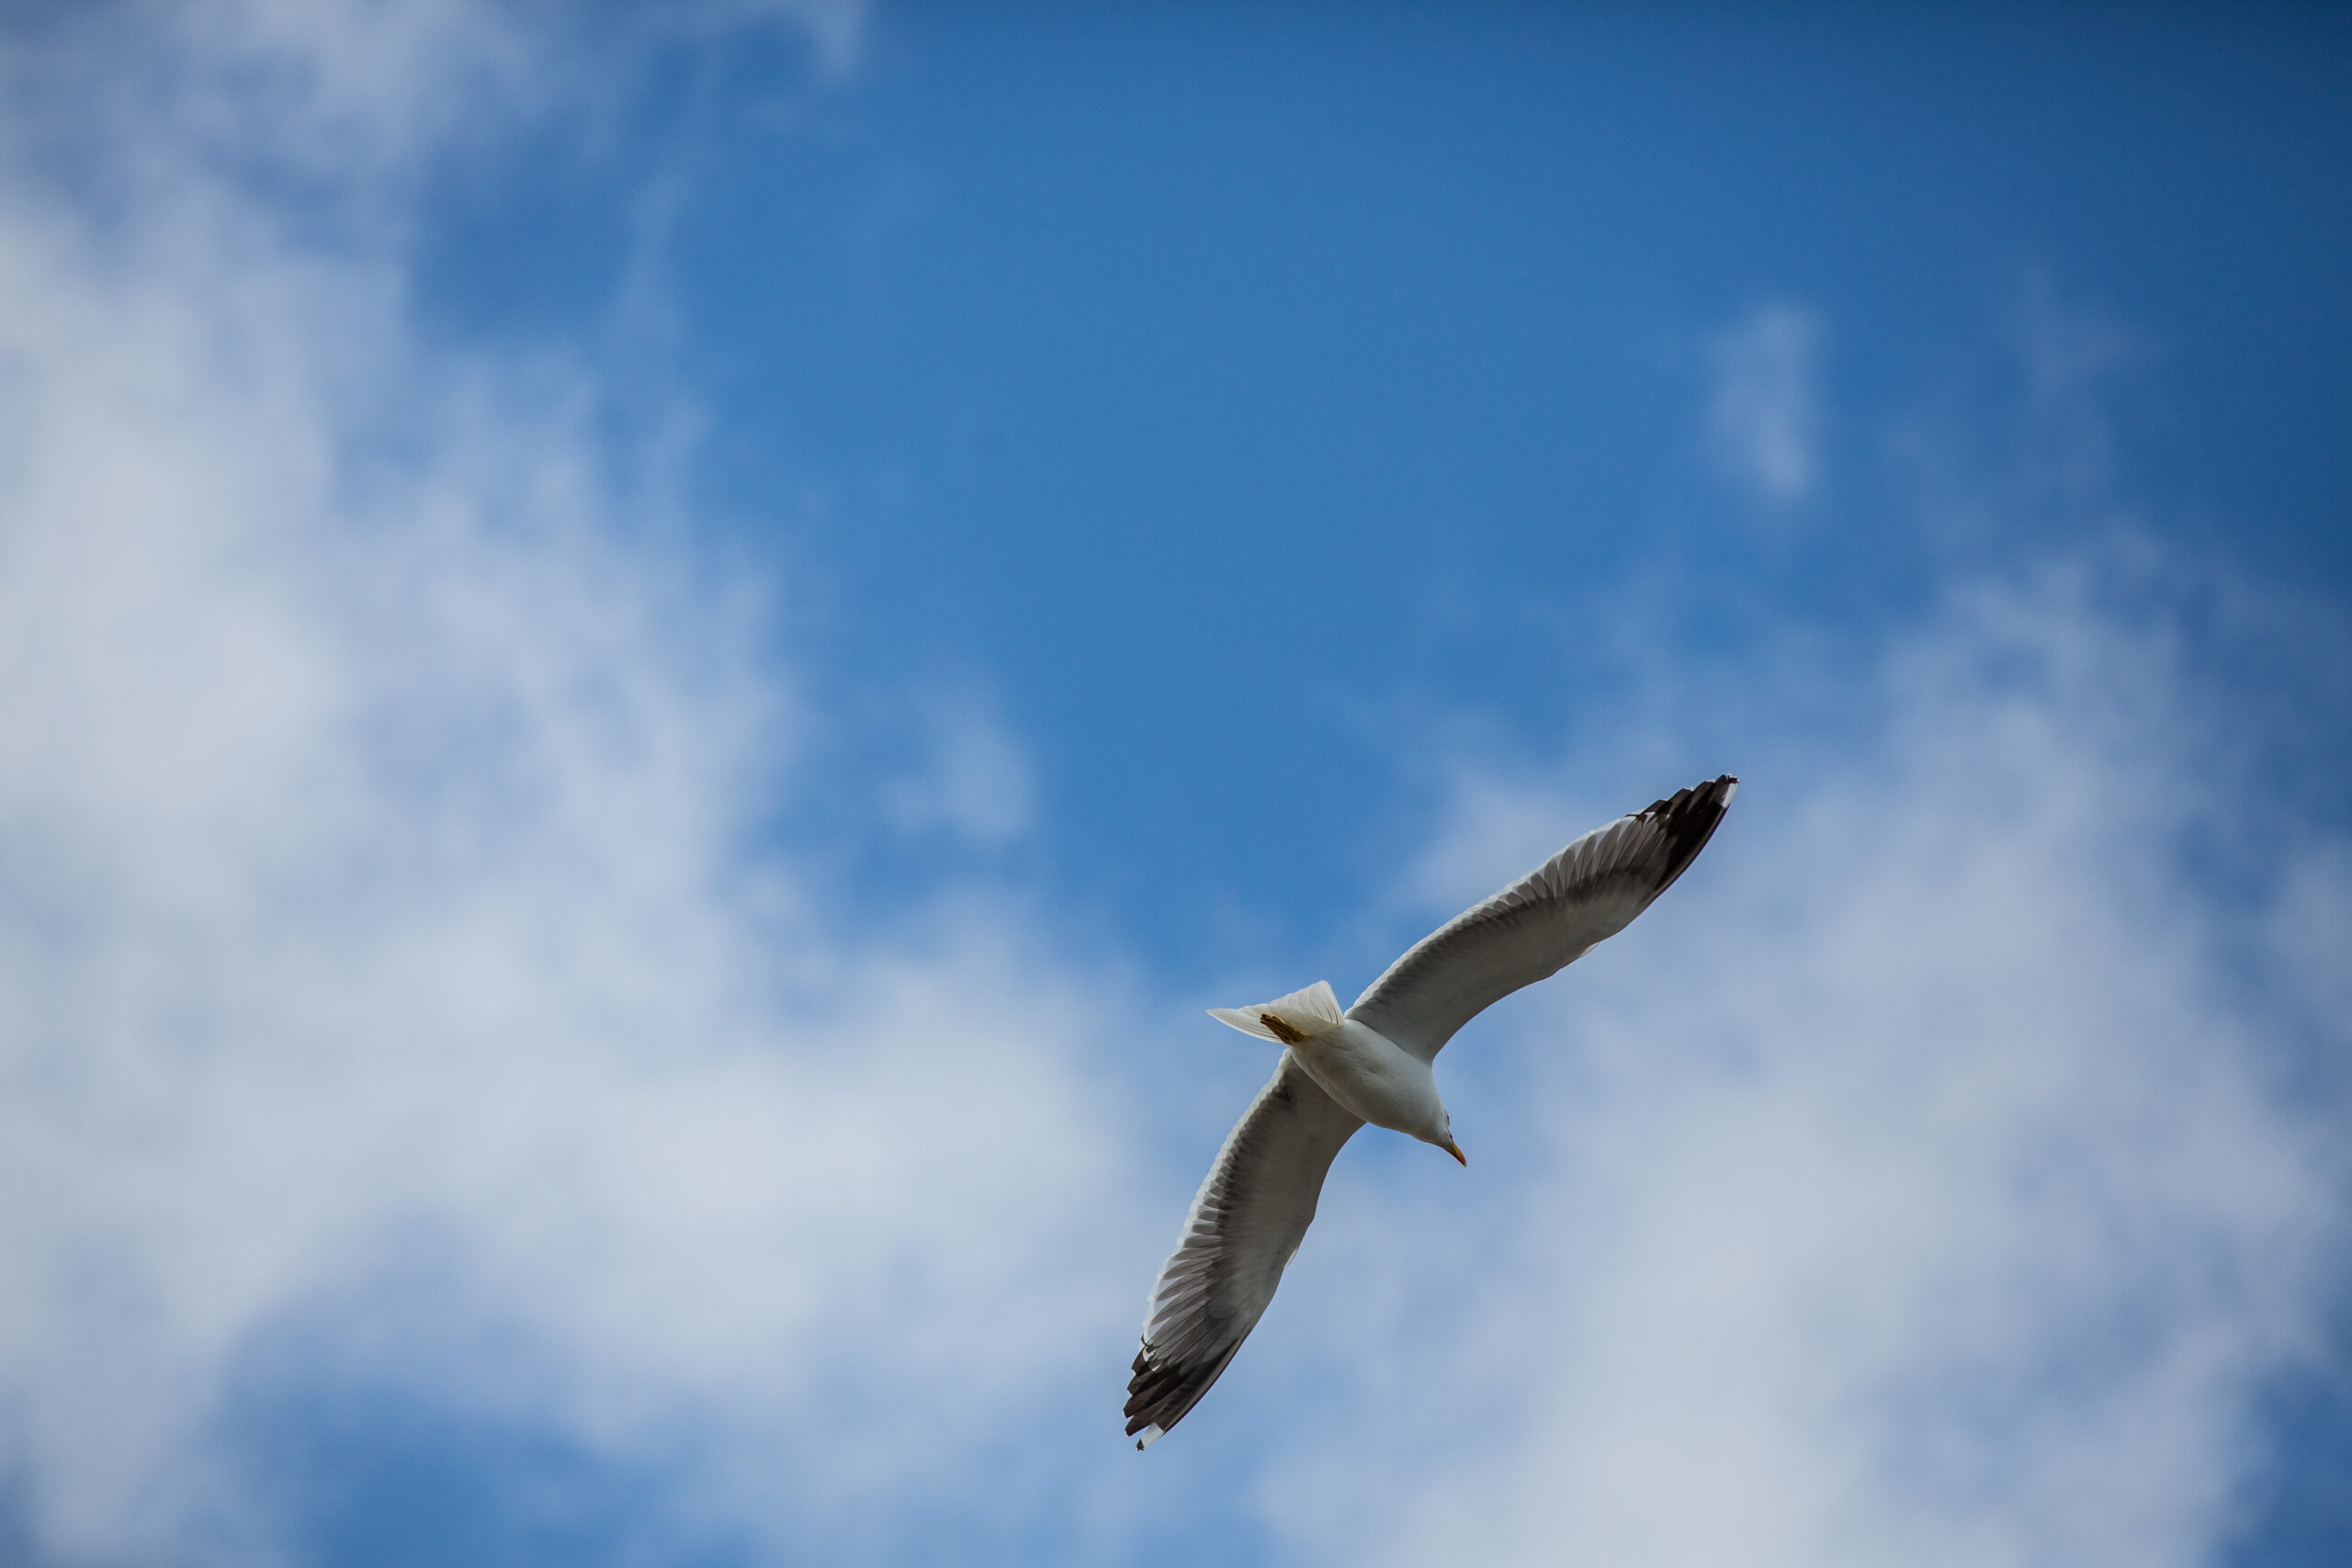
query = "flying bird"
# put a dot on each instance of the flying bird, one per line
(1373, 1063)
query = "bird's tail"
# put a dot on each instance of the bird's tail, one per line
(1290, 1018)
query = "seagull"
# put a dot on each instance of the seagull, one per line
(1373, 1063)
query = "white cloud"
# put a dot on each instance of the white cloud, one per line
(973, 780)
(1763, 413)
(1908, 1186)
(376, 912)
(836, 29)
(343, 105)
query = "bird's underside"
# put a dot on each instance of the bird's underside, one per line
(1259, 1197)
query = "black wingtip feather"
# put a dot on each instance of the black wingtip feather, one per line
(1689, 818)
(1160, 1394)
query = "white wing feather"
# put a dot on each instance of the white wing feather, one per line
(1538, 925)
(1247, 1221)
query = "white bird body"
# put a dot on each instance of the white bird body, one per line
(1373, 1063)
(1378, 1081)
(1369, 1074)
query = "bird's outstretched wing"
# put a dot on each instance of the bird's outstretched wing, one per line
(1245, 1223)
(1538, 925)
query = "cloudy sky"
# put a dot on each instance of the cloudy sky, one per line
(651, 659)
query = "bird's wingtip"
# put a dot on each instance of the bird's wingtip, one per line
(1149, 1436)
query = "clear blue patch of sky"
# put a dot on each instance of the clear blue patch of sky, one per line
(1218, 383)
(362, 1478)
(2296, 1512)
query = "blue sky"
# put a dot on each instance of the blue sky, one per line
(650, 664)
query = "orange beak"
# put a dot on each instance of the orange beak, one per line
(1455, 1150)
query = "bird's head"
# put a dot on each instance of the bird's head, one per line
(1444, 1138)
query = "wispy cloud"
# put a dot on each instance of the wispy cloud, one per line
(972, 779)
(378, 909)
(1915, 1184)
(1763, 411)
